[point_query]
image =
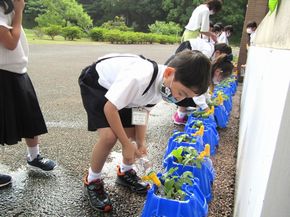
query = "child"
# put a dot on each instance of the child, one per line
(20, 114)
(225, 34)
(199, 21)
(251, 30)
(180, 116)
(222, 68)
(118, 92)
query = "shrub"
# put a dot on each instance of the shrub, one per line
(52, 31)
(117, 23)
(71, 32)
(163, 28)
(97, 34)
(38, 32)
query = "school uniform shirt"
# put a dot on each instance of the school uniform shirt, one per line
(252, 38)
(206, 47)
(13, 60)
(199, 19)
(223, 38)
(126, 76)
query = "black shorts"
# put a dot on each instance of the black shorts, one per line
(20, 114)
(94, 100)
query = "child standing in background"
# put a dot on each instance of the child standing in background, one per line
(20, 114)
(199, 21)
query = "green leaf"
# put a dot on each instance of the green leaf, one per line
(272, 5)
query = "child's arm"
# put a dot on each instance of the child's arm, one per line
(113, 118)
(10, 37)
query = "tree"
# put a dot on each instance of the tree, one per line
(33, 8)
(64, 13)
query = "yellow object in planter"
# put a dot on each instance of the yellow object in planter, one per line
(199, 132)
(152, 176)
(207, 150)
(220, 98)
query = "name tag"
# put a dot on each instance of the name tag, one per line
(139, 116)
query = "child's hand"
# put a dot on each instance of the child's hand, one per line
(129, 152)
(19, 5)
(141, 151)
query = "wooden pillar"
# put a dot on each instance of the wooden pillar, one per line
(256, 11)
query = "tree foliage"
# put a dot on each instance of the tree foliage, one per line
(137, 14)
(64, 13)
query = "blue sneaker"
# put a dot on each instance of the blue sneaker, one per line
(42, 163)
(4, 180)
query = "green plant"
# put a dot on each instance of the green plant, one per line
(52, 31)
(197, 125)
(163, 28)
(185, 138)
(172, 184)
(71, 32)
(97, 33)
(117, 23)
(187, 156)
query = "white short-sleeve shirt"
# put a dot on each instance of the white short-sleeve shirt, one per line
(223, 38)
(206, 47)
(13, 60)
(199, 19)
(126, 76)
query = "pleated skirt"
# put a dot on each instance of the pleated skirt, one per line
(20, 113)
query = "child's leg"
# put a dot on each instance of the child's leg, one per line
(34, 159)
(102, 149)
(32, 147)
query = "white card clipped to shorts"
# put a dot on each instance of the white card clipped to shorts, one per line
(139, 116)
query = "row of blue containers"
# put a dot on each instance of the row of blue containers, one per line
(199, 194)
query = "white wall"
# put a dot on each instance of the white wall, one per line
(263, 166)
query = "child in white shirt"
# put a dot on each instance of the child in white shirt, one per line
(118, 92)
(199, 21)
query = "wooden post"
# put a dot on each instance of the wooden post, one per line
(256, 11)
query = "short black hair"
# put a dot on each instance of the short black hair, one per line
(229, 28)
(7, 5)
(192, 70)
(224, 63)
(215, 5)
(223, 48)
(252, 24)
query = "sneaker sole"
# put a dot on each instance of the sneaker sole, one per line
(107, 208)
(132, 188)
(178, 123)
(5, 184)
(39, 169)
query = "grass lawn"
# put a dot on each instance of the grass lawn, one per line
(33, 39)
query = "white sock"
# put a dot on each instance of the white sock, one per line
(125, 167)
(32, 152)
(181, 114)
(93, 176)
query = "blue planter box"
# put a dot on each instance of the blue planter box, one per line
(199, 145)
(195, 204)
(221, 116)
(210, 135)
(205, 174)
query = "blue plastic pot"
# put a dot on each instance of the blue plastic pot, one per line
(204, 174)
(210, 135)
(194, 205)
(221, 116)
(198, 145)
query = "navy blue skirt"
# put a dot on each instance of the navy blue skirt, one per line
(20, 114)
